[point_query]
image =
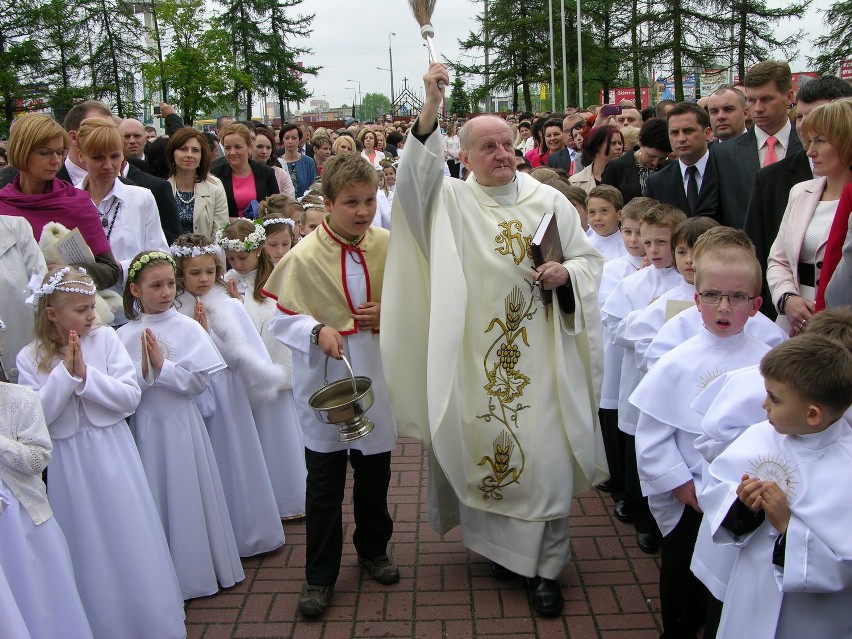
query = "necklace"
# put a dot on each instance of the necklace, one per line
(105, 221)
(189, 200)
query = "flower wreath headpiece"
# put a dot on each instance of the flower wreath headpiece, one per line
(139, 264)
(279, 220)
(252, 241)
(40, 288)
(194, 251)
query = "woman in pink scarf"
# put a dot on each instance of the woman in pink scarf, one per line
(37, 147)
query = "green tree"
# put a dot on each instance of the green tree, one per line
(836, 45)
(373, 105)
(116, 54)
(515, 32)
(20, 57)
(753, 31)
(459, 101)
(65, 54)
(279, 69)
(243, 21)
(196, 70)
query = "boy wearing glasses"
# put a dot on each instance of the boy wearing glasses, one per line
(727, 293)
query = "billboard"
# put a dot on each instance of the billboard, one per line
(624, 93)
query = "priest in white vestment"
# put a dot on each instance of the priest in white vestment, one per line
(502, 390)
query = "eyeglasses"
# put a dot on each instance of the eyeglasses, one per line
(734, 299)
(46, 153)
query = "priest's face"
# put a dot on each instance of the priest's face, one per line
(490, 154)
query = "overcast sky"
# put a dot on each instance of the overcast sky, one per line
(350, 39)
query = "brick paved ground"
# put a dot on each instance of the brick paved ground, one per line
(447, 592)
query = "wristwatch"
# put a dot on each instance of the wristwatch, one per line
(315, 333)
(782, 303)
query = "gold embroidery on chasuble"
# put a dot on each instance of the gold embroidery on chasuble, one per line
(503, 370)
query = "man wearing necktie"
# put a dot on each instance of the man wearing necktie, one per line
(691, 184)
(769, 92)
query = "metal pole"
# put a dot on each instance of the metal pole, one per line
(580, 96)
(552, 67)
(487, 79)
(564, 60)
(390, 58)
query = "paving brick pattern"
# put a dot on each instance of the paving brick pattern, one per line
(445, 592)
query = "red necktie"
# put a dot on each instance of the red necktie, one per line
(771, 155)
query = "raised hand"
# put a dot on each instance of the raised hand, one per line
(233, 289)
(750, 492)
(368, 316)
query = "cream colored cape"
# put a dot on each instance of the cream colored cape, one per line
(505, 396)
(311, 278)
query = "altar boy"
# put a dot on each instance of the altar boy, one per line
(727, 293)
(328, 293)
(780, 493)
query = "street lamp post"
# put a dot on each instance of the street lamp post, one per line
(360, 104)
(391, 107)
(390, 60)
(354, 99)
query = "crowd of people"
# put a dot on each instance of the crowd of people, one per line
(653, 303)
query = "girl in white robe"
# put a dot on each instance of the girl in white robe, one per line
(233, 434)
(34, 556)
(172, 369)
(98, 489)
(276, 417)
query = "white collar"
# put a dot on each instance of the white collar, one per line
(701, 165)
(783, 136)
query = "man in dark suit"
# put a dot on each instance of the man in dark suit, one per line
(769, 91)
(772, 184)
(691, 184)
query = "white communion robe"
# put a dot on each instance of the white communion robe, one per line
(732, 403)
(276, 417)
(610, 246)
(811, 596)
(613, 272)
(230, 425)
(630, 296)
(667, 427)
(503, 393)
(100, 496)
(648, 322)
(688, 323)
(177, 455)
(34, 556)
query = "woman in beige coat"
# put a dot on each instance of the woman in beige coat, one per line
(200, 197)
(795, 258)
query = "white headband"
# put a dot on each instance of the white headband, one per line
(40, 288)
(194, 251)
(279, 220)
(249, 244)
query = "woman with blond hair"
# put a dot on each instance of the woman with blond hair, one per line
(796, 256)
(128, 214)
(37, 147)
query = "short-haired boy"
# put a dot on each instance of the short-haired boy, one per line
(614, 271)
(727, 292)
(688, 323)
(328, 290)
(650, 320)
(779, 493)
(732, 403)
(629, 297)
(603, 210)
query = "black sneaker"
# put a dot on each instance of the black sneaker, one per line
(314, 600)
(381, 568)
